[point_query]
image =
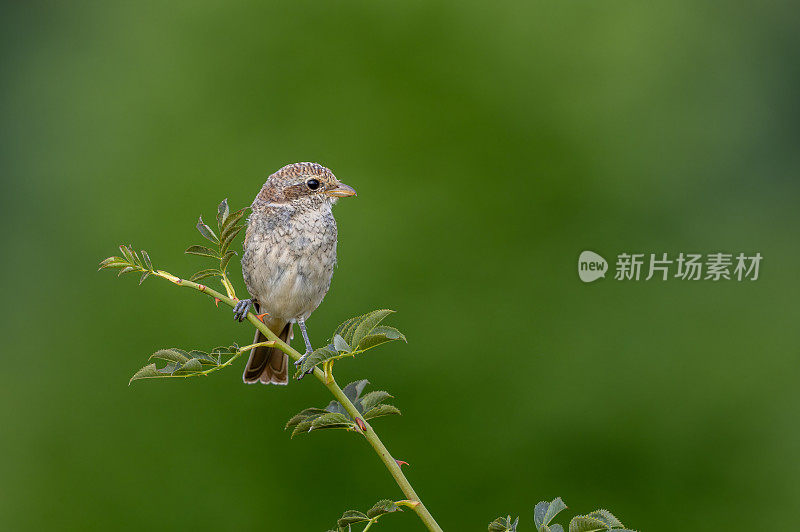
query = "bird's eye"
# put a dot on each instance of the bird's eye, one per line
(313, 184)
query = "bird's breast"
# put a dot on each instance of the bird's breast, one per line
(288, 262)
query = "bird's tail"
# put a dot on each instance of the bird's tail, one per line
(269, 365)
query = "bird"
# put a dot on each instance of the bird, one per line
(288, 260)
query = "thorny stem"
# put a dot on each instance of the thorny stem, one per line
(414, 502)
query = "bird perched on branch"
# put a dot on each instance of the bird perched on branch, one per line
(289, 255)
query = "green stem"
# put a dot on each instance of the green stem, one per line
(228, 286)
(259, 344)
(369, 433)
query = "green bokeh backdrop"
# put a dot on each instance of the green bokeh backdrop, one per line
(490, 144)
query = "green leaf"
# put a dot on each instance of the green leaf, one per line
(354, 389)
(584, 523)
(294, 421)
(553, 509)
(544, 512)
(204, 357)
(169, 369)
(112, 262)
(127, 253)
(380, 335)
(372, 399)
(345, 330)
(352, 517)
(382, 410)
(302, 416)
(173, 354)
(606, 517)
(503, 524)
(382, 507)
(228, 238)
(206, 231)
(336, 406)
(148, 372)
(367, 323)
(231, 222)
(202, 274)
(317, 357)
(147, 262)
(222, 212)
(216, 355)
(389, 332)
(556, 528)
(340, 345)
(331, 421)
(192, 366)
(539, 512)
(126, 269)
(225, 350)
(202, 251)
(303, 426)
(113, 259)
(144, 276)
(223, 263)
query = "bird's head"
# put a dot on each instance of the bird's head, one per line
(303, 185)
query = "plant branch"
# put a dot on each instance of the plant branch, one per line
(228, 286)
(366, 429)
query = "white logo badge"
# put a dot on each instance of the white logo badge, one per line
(591, 266)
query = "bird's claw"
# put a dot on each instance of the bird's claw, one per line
(241, 309)
(299, 362)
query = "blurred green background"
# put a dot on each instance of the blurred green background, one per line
(490, 144)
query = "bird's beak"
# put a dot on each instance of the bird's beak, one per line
(341, 191)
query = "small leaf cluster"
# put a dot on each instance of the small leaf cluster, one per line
(598, 520)
(180, 363)
(130, 261)
(228, 227)
(354, 517)
(334, 416)
(352, 337)
(545, 512)
(504, 524)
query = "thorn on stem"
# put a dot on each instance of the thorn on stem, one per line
(408, 503)
(361, 424)
(216, 301)
(401, 463)
(202, 287)
(261, 316)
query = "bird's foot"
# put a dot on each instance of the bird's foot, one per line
(299, 362)
(241, 309)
